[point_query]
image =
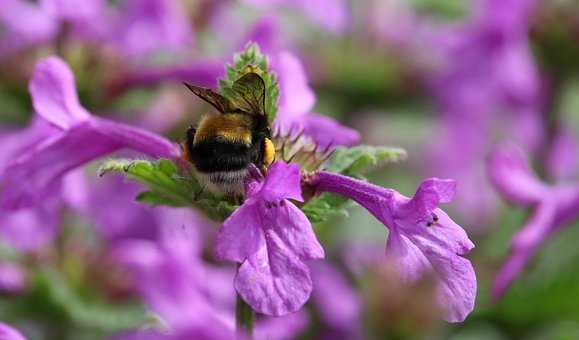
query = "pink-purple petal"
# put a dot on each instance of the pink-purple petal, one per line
(136, 139)
(524, 245)
(10, 333)
(297, 97)
(31, 177)
(336, 300)
(407, 258)
(12, 278)
(240, 235)
(274, 281)
(282, 182)
(324, 131)
(29, 229)
(292, 226)
(53, 92)
(511, 175)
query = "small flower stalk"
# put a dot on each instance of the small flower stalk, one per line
(270, 233)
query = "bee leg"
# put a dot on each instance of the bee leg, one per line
(238, 199)
(187, 144)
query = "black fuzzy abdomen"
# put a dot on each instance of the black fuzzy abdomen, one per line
(220, 155)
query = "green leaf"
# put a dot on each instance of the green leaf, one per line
(321, 208)
(51, 298)
(91, 314)
(355, 160)
(167, 186)
(258, 63)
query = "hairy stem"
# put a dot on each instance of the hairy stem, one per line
(244, 317)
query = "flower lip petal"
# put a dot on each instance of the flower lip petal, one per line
(511, 176)
(54, 96)
(430, 193)
(282, 182)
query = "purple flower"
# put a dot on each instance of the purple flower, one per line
(562, 161)
(295, 105)
(28, 229)
(72, 11)
(422, 239)
(77, 139)
(24, 24)
(192, 297)
(336, 301)
(266, 33)
(201, 72)
(286, 327)
(85, 20)
(31, 228)
(164, 23)
(272, 239)
(552, 207)
(487, 85)
(174, 282)
(330, 14)
(28, 24)
(12, 278)
(9, 333)
(109, 196)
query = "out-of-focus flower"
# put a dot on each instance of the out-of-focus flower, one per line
(31, 228)
(295, 105)
(164, 23)
(330, 14)
(393, 22)
(173, 281)
(552, 208)
(562, 161)
(266, 33)
(31, 24)
(200, 72)
(78, 138)
(111, 195)
(272, 239)
(79, 20)
(146, 26)
(336, 301)
(24, 24)
(422, 239)
(192, 297)
(9, 333)
(73, 11)
(487, 85)
(12, 278)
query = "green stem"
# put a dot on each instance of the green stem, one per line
(244, 317)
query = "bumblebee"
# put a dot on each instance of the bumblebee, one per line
(226, 142)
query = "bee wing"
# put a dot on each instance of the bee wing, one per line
(219, 102)
(248, 94)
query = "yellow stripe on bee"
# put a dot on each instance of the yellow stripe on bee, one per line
(268, 152)
(230, 126)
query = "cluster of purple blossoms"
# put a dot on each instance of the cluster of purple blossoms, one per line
(268, 235)
(489, 86)
(120, 27)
